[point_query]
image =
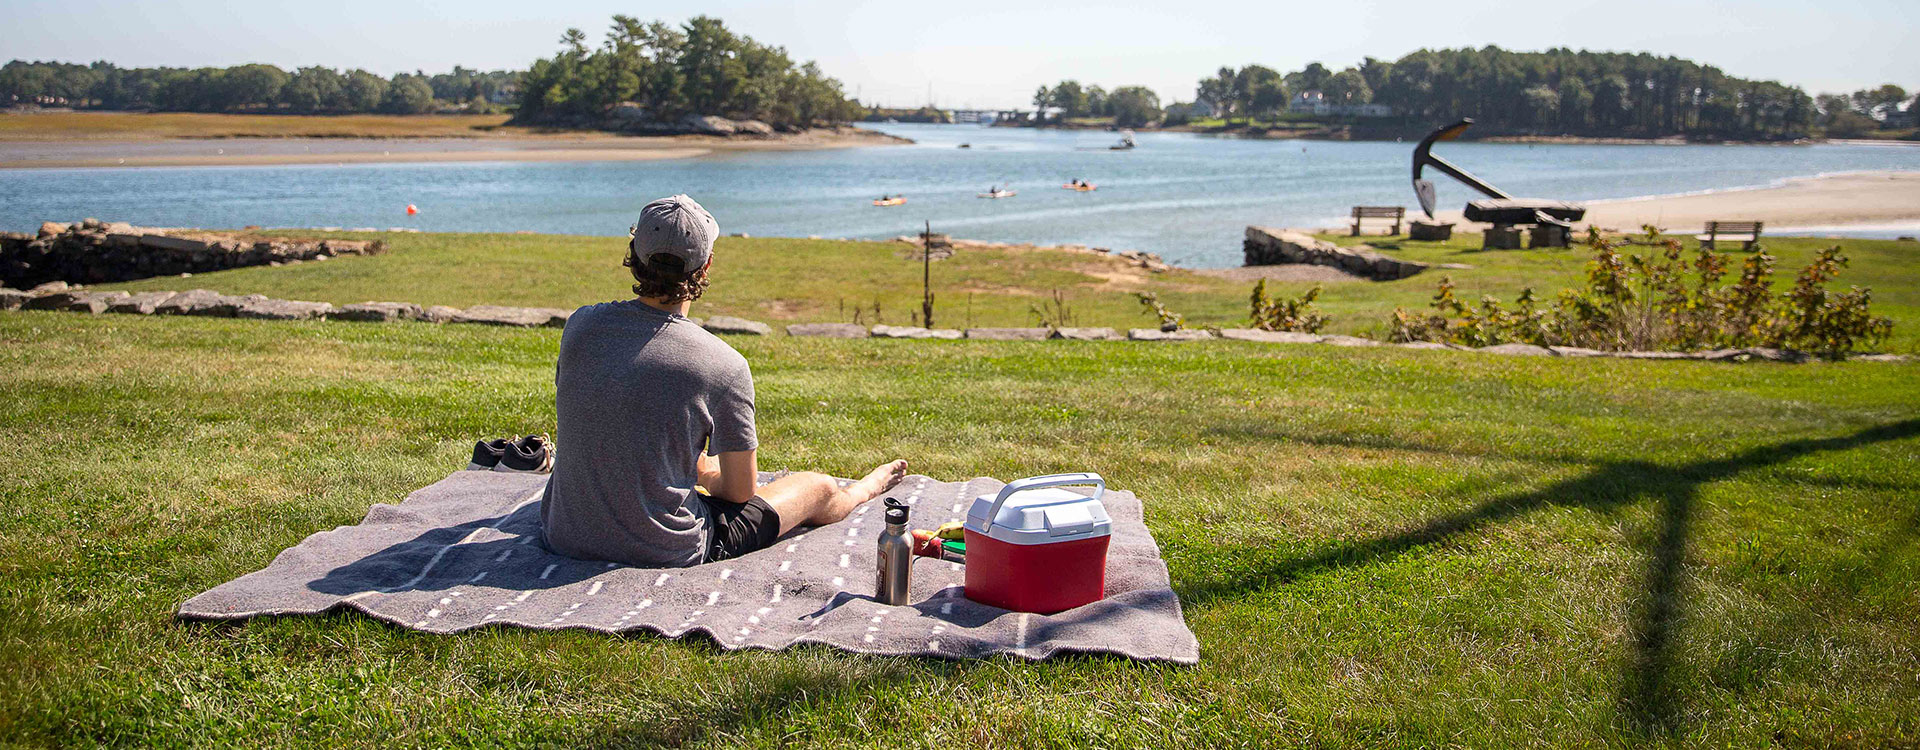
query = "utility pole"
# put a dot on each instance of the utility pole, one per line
(926, 276)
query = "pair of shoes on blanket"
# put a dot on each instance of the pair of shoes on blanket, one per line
(532, 454)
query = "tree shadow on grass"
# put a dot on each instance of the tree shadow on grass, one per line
(721, 716)
(1522, 454)
(1648, 696)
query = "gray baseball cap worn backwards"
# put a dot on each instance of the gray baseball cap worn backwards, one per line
(674, 237)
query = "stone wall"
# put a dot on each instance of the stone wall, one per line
(58, 296)
(94, 252)
(1271, 247)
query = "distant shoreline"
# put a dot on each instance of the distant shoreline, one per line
(207, 151)
(1342, 132)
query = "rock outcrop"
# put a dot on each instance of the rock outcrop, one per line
(1155, 334)
(727, 324)
(376, 312)
(94, 252)
(281, 309)
(1009, 334)
(1270, 337)
(915, 332)
(828, 330)
(753, 127)
(1086, 334)
(76, 300)
(1270, 247)
(709, 125)
(190, 302)
(140, 303)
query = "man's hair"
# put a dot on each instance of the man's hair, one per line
(661, 277)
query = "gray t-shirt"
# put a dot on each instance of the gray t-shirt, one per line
(640, 393)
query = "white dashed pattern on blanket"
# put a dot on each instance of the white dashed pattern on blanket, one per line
(463, 553)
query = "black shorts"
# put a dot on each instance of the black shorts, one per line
(734, 529)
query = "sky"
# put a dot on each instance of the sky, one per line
(990, 53)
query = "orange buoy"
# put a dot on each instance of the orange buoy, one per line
(412, 210)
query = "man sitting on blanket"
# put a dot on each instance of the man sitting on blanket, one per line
(657, 418)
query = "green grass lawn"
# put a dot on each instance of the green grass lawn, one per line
(770, 279)
(1375, 547)
(793, 280)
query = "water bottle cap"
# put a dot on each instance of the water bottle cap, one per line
(896, 514)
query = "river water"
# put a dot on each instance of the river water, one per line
(1187, 197)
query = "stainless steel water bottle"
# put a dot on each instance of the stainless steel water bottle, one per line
(896, 556)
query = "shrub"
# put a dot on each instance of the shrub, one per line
(1055, 313)
(1662, 301)
(1285, 314)
(1169, 320)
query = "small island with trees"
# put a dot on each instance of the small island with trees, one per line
(644, 78)
(654, 77)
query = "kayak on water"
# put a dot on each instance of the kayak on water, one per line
(1000, 194)
(889, 201)
(1083, 187)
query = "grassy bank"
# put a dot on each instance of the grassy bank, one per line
(1375, 547)
(119, 126)
(788, 280)
(772, 279)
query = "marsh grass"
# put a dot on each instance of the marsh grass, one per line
(1375, 547)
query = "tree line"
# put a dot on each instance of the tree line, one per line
(1559, 91)
(252, 88)
(1129, 106)
(1556, 92)
(698, 68)
(1860, 113)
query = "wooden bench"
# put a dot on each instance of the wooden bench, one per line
(1396, 213)
(1748, 230)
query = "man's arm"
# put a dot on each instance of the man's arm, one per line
(732, 476)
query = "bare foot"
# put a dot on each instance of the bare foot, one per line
(881, 479)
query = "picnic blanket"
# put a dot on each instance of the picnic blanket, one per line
(465, 552)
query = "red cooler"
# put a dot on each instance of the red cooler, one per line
(1036, 548)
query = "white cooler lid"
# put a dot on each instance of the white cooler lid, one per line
(1036, 511)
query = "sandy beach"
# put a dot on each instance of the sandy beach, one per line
(1865, 200)
(276, 151)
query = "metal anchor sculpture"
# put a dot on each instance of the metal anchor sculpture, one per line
(1553, 220)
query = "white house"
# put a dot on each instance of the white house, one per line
(1313, 102)
(1309, 102)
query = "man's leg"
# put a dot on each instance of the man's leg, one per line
(813, 499)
